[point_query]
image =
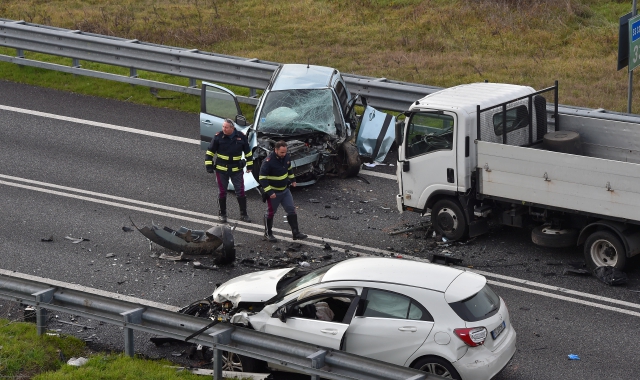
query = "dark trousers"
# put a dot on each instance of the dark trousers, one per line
(237, 178)
(283, 198)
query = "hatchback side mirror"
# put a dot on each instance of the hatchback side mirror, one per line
(283, 312)
(241, 121)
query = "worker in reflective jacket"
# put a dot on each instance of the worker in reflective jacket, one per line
(227, 147)
(275, 177)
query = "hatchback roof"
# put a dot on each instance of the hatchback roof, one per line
(296, 76)
(397, 271)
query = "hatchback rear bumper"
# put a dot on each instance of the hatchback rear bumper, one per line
(479, 363)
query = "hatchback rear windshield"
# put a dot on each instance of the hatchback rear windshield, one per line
(480, 306)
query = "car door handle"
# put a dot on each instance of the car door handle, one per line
(205, 122)
(408, 328)
(329, 331)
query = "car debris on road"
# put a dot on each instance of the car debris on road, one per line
(194, 242)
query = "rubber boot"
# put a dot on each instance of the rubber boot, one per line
(293, 222)
(222, 204)
(242, 202)
(268, 235)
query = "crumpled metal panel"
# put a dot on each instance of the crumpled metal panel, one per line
(376, 134)
(193, 242)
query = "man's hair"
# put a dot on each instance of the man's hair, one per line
(281, 144)
(228, 121)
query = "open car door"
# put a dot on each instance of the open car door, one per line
(305, 320)
(376, 134)
(216, 104)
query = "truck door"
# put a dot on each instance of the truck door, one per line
(216, 104)
(428, 157)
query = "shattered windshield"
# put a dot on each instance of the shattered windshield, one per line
(293, 112)
(299, 282)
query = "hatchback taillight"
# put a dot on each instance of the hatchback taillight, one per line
(472, 337)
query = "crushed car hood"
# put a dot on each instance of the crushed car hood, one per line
(251, 287)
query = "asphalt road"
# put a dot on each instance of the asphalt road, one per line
(69, 168)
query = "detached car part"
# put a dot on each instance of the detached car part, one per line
(217, 241)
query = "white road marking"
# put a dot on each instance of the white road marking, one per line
(139, 132)
(101, 125)
(362, 249)
(564, 298)
(205, 222)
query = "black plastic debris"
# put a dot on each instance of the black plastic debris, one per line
(580, 272)
(127, 229)
(610, 275)
(327, 247)
(445, 260)
(330, 217)
(47, 240)
(327, 257)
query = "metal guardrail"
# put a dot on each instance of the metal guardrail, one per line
(133, 314)
(189, 63)
(194, 64)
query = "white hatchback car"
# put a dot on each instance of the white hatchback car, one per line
(435, 318)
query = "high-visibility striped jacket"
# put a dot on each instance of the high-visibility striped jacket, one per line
(228, 152)
(276, 173)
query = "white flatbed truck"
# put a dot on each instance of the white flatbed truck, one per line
(575, 172)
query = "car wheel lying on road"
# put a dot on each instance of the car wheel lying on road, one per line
(436, 366)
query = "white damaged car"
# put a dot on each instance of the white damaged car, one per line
(435, 318)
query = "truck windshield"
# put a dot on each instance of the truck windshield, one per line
(428, 132)
(295, 112)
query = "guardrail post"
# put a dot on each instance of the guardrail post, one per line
(19, 53)
(219, 337)
(43, 296)
(133, 72)
(193, 83)
(131, 316)
(317, 362)
(75, 63)
(253, 92)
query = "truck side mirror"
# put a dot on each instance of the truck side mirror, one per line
(241, 121)
(399, 130)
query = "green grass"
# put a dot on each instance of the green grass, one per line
(434, 42)
(24, 354)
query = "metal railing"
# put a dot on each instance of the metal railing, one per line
(133, 314)
(194, 64)
(188, 63)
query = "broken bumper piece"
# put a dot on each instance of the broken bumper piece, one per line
(217, 241)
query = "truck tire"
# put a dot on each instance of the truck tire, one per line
(603, 248)
(563, 142)
(448, 219)
(546, 236)
(348, 160)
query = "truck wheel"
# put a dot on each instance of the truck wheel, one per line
(448, 220)
(603, 248)
(563, 142)
(348, 161)
(546, 236)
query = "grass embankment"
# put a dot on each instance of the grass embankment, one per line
(435, 42)
(24, 354)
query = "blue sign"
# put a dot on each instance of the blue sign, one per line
(635, 30)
